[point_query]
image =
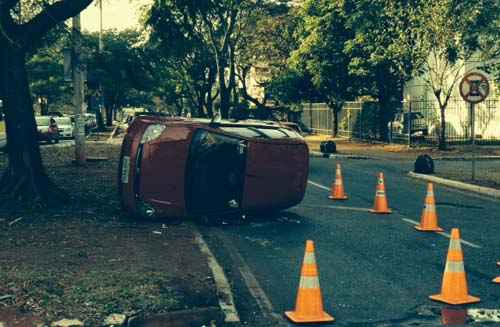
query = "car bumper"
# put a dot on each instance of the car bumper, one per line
(68, 134)
(46, 136)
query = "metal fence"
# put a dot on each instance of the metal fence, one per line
(457, 121)
(361, 120)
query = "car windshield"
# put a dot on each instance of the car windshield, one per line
(42, 121)
(63, 121)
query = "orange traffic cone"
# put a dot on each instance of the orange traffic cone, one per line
(309, 304)
(429, 219)
(337, 191)
(497, 280)
(380, 206)
(454, 288)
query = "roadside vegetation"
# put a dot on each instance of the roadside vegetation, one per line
(198, 59)
(86, 259)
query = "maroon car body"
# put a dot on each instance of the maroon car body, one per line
(174, 167)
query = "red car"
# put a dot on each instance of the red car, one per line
(47, 128)
(174, 167)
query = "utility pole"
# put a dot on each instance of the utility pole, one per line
(78, 93)
(101, 45)
(100, 91)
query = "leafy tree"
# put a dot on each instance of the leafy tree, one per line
(179, 41)
(291, 87)
(209, 32)
(264, 40)
(383, 50)
(452, 34)
(321, 53)
(46, 75)
(209, 24)
(25, 177)
(121, 69)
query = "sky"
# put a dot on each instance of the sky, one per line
(117, 14)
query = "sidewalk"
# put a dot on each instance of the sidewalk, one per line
(451, 164)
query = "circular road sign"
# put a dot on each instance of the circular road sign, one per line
(474, 87)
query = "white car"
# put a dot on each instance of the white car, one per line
(66, 127)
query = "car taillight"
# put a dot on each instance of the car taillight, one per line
(152, 132)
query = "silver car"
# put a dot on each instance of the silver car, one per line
(66, 127)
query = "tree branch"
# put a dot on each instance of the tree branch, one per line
(51, 15)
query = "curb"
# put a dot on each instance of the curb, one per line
(333, 156)
(467, 158)
(458, 185)
(194, 317)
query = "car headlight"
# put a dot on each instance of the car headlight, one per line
(152, 132)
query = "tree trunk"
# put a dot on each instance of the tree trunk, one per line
(109, 115)
(386, 87)
(223, 89)
(232, 79)
(442, 129)
(335, 107)
(25, 178)
(209, 105)
(224, 96)
(44, 107)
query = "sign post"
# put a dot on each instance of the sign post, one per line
(474, 88)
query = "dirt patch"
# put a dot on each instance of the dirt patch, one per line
(86, 259)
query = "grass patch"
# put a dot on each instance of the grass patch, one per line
(85, 259)
(90, 296)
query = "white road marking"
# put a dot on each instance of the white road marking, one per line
(226, 298)
(252, 284)
(336, 207)
(319, 185)
(484, 315)
(413, 222)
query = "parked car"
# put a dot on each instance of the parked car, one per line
(48, 130)
(175, 167)
(54, 114)
(66, 126)
(128, 116)
(403, 120)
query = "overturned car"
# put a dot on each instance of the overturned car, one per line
(175, 167)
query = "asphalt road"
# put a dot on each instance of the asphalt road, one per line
(375, 270)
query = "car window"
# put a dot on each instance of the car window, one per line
(260, 132)
(63, 121)
(243, 131)
(42, 121)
